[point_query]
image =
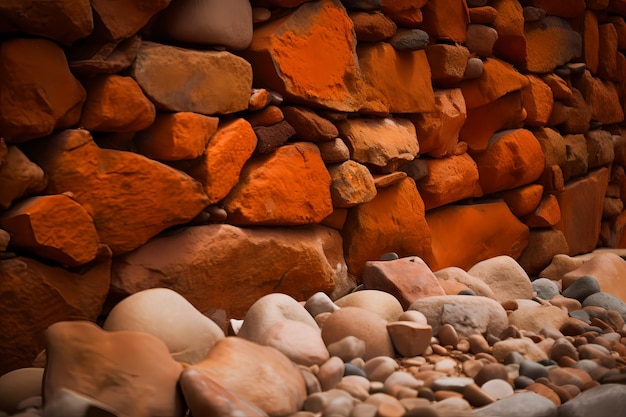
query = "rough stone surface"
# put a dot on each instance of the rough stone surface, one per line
(19, 176)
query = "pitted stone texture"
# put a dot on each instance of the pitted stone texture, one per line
(217, 266)
(505, 277)
(448, 63)
(114, 186)
(468, 315)
(290, 186)
(373, 26)
(550, 43)
(351, 184)
(205, 82)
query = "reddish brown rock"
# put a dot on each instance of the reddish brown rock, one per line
(513, 158)
(309, 126)
(538, 101)
(602, 97)
(308, 56)
(406, 13)
(449, 179)
(607, 53)
(553, 146)
(109, 58)
(543, 246)
(574, 8)
(114, 186)
(121, 19)
(523, 200)
(392, 222)
(559, 87)
(482, 122)
(386, 73)
(550, 43)
(218, 267)
(258, 374)
(480, 39)
(267, 116)
(116, 104)
(408, 279)
(269, 138)
(219, 167)
(446, 20)
(36, 98)
(600, 148)
(72, 348)
(577, 114)
(64, 21)
(288, 187)
(351, 184)
(482, 230)
(581, 204)
(498, 78)
(438, 131)
(383, 144)
(54, 227)
(372, 27)
(448, 63)
(206, 82)
(19, 176)
(509, 23)
(175, 136)
(42, 295)
(591, 40)
(547, 214)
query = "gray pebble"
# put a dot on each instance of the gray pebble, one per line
(582, 288)
(545, 288)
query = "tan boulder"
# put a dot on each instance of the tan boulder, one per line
(523, 200)
(290, 186)
(524, 346)
(121, 19)
(438, 131)
(607, 268)
(497, 79)
(309, 57)
(19, 385)
(381, 303)
(36, 99)
(260, 375)
(533, 317)
(42, 295)
(205, 82)
(309, 126)
(63, 21)
(372, 27)
(300, 342)
(581, 204)
(410, 338)
(392, 222)
(448, 63)
(513, 158)
(54, 227)
(484, 121)
(453, 274)
(449, 179)
(114, 186)
(446, 20)
(218, 267)
(19, 177)
(406, 13)
(384, 144)
(406, 278)
(176, 136)
(482, 230)
(538, 101)
(334, 151)
(509, 23)
(543, 246)
(505, 277)
(351, 184)
(550, 43)
(386, 73)
(139, 362)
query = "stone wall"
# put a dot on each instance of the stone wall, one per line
(228, 150)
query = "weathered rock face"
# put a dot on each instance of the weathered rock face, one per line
(298, 262)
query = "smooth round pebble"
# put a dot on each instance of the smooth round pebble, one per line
(490, 371)
(497, 388)
(379, 368)
(545, 288)
(532, 370)
(582, 288)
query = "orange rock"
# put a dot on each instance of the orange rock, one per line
(559, 87)
(351, 184)
(309, 126)
(577, 114)
(19, 176)
(447, 63)
(482, 122)
(65, 22)
(336, 219)
(513, 158)
(446, 20)
(591, 41)
(387, 72)
(498, 78)
(572, 8)
(602, 97)
(509, 23)
(607, 53)
(552, 179)
(483, 231)
(581, 204)
(288, 187)
(176, 136)
(547, 214)
(36, 98)
(438, 131)
(449, 179)
(607, 268)
(543, 245)
(267, 116)
(523, 200)
(308, 57)
(553, 146)
(121, 19)
(483, 15)
(219, 168)
(392, 222)
(41, 295)
(372, 27)
(538, 101)
(550, 43)
(406, 13)
(115, 186)
(53, 227)
(116, 104)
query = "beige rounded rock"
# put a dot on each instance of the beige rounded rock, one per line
(298, 341)
(533, 316)
(410, 338)
(18, 385)
(379, 302)
(187, 333)
(524, 346)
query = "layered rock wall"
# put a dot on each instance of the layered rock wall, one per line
(232, 149)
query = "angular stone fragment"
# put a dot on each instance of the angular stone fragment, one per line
(288, 187)
(547, 213)
(115, 186)
(19, 177)
(509, 23)
(448, 63)
(109, 58)
(538, 101)
(372, 27)
(309, 126)
(446, 20)
(410, 338)
(351, 184)
(602, 97)
(406, 13)
(205, 82)
(121, 19)
(550, 43)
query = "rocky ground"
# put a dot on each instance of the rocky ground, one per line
(507, 344)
